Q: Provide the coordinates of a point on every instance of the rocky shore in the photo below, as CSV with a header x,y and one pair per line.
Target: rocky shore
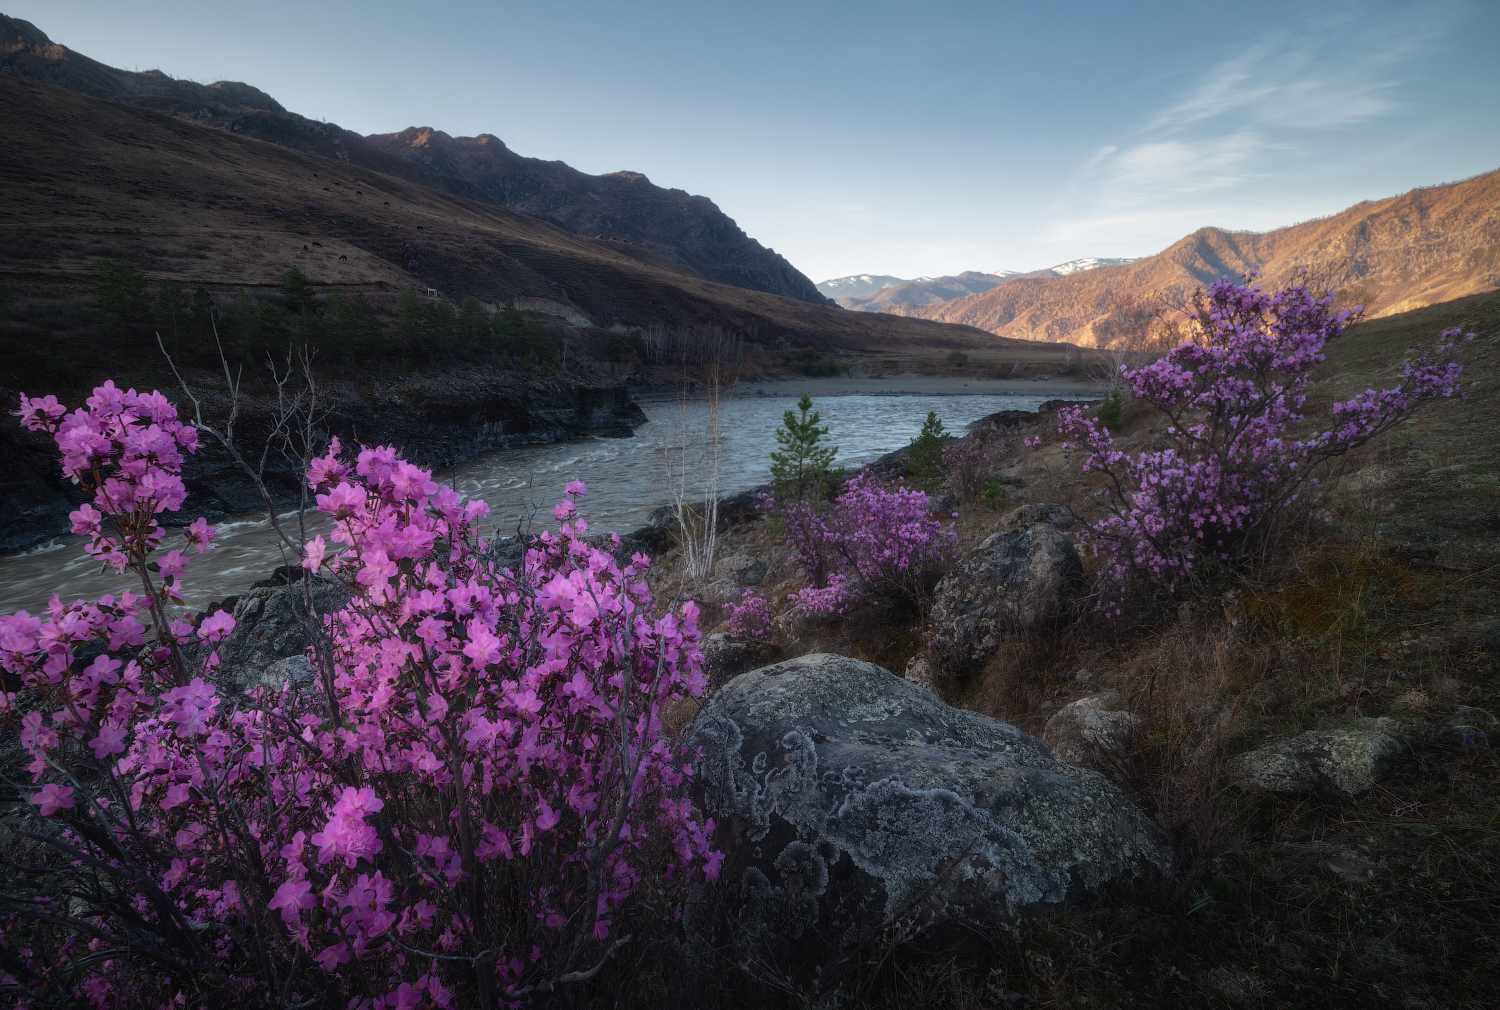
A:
x,y
437,421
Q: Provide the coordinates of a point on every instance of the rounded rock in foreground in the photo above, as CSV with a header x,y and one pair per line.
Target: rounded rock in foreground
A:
x,y
1346,762
848,798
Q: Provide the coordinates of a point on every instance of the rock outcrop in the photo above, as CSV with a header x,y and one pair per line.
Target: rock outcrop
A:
x,y
741,569
848,798
1345,762
271,633
727,655
1091,732
1016,581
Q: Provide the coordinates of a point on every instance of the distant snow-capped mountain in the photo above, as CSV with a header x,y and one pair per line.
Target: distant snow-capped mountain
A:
x,y
879,292
858,285
1087,263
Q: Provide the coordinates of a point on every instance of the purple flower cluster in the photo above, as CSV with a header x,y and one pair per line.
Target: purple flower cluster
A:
x,y
875,541
751,616
1230,395
482,766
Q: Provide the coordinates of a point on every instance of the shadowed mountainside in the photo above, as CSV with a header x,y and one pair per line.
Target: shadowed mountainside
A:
x,y
688,231
87,179
619,207
1426,246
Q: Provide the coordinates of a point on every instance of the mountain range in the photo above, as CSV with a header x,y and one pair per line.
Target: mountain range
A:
x,y
1428,245
87,179
879,292
622,207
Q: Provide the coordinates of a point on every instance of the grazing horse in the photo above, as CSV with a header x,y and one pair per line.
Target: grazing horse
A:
x,y
343,259
318,244
306,249
388,203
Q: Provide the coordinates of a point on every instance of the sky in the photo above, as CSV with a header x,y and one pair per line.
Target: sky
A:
x,y
889,138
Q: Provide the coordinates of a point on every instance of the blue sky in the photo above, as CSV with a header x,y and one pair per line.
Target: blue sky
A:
x,y
904,139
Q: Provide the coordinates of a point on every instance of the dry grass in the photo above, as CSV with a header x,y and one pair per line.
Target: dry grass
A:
x,y
1378,600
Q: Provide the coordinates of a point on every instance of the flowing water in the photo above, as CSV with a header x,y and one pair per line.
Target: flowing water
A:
x,y
626,478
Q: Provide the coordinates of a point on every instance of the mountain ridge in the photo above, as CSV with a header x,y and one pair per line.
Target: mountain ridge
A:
x,y
862,292
87,180
689,231
1427,245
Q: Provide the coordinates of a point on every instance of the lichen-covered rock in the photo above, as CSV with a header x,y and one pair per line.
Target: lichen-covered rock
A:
x,y
715,592
1342,761
726,656
1038,513
1091,732
271,624
847,798
919,671
1016,581
741,569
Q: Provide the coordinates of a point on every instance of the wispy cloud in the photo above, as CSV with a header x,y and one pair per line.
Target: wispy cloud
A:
x,y
1266,102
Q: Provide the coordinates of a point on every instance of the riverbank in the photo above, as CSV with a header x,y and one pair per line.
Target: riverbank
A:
x,y
891,385
437,421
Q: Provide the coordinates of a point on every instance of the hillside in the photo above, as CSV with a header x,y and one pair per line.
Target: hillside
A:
x,y
87,179
687,231
1393,255
620,206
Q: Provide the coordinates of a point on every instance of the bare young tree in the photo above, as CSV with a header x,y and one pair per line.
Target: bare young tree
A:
x,y
689,450
1139,329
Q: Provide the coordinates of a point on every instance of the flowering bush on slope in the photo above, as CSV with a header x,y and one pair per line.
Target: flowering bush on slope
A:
x,y
462,812
874,541
1230,395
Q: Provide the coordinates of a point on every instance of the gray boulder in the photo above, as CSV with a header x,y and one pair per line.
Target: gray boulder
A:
x,y
271,624
1018,580
848,798
919,672
726,656
1091,732
1345,762
741,569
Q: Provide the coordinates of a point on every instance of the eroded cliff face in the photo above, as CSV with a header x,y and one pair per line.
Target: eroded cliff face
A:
x,y
436,422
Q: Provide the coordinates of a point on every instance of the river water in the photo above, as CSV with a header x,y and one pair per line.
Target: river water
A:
x,y
627,478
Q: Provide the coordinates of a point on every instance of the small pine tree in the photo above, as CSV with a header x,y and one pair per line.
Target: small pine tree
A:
x,y
801,468
172,314
297,290
201,316
412,323
120,303
925,456
1109,412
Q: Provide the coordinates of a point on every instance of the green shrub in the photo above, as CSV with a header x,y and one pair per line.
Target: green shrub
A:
x,y
802,468
925,456
957,359
120,305
1109,412
297,290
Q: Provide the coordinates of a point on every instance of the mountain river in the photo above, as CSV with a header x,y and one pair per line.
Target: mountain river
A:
x,y
627,478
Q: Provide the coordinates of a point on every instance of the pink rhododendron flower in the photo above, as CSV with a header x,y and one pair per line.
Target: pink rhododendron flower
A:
x,y
52,797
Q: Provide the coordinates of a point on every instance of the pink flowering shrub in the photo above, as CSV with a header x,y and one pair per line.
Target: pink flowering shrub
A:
x,y
1232,396
474,803
969,463
875,542
751,616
